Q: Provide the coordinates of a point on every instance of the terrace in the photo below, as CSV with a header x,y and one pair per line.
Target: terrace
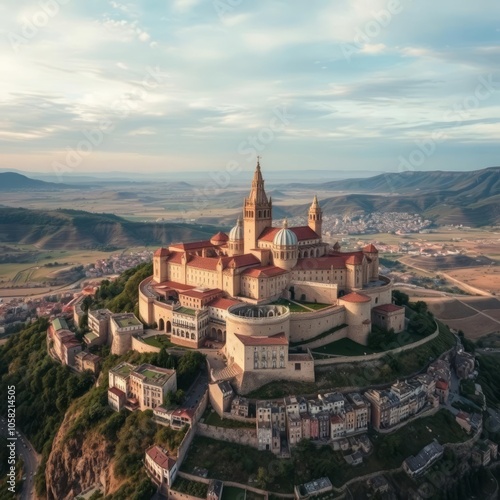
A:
x,y
123,369
127,321
186,310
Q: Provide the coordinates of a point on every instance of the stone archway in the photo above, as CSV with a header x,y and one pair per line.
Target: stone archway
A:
x,y
219,335
161,325
169,327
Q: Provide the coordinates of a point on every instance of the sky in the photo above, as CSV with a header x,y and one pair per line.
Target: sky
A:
x,y
189,85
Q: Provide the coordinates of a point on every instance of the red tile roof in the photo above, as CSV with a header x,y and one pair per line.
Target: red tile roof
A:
x,y
371,248
160,458
305,233
206,263
175,257
267,271
201,294
355,297
388,308
173,285
269,233
222,303
194,245
318,263
355,259
220,237
247,259
184,412
161,252
278,339
117,392
302,233
442,385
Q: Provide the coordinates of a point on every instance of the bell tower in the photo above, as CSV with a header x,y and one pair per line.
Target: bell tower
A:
x,y
315,219
257,211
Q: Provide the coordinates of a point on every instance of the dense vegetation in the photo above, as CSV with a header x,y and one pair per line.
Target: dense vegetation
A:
x,y
48,390
120,295
43,388
489,378
192,488
234,462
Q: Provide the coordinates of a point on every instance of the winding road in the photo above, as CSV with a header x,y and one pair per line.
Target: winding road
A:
x,y
30,458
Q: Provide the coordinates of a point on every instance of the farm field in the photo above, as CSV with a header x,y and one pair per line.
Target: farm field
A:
x,y
484,277
475,316
21,279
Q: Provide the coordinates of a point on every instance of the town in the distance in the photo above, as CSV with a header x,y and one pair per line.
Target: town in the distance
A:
x,y
270,359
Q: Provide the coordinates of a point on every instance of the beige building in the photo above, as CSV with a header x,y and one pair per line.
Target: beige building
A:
x,y
220,395
228,289
98,321
85,360
62,342
161,468
121,328
142,387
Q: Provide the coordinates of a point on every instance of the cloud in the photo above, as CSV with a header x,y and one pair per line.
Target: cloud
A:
x,y
220,77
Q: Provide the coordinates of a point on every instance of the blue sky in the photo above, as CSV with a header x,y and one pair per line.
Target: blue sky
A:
x,y
190,85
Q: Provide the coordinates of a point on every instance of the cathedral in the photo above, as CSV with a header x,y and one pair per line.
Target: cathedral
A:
x,y
237,290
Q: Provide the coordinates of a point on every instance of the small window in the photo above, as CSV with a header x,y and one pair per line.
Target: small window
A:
x,y
297,367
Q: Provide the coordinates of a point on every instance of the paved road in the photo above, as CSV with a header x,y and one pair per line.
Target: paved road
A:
x,y
197,390
30,458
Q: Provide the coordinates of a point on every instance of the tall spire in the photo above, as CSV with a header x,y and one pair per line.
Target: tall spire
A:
x,y
257,193
315,201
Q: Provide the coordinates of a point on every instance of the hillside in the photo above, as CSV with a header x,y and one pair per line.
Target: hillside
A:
x,y
469,198
485,181
74,229
11,181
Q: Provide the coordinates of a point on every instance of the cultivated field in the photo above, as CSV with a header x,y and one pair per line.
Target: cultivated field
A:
x,y
475,316
25,278
484,277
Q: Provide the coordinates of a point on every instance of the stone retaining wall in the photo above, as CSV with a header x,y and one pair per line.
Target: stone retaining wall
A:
x,y
141,346
336,360
245,436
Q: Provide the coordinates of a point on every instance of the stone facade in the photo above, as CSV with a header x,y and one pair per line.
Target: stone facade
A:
x,y
197,290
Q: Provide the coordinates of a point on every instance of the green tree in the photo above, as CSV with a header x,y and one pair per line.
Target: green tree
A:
x,y
400,298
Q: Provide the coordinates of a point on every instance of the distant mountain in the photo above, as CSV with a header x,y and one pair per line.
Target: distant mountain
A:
x,y
11,181
75,229
469,198
411,181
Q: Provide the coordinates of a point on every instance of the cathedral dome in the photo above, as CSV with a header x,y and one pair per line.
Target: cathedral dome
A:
x,y
237,232
285,237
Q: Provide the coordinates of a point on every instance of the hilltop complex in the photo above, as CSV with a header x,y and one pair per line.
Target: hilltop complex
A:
x,y
235,289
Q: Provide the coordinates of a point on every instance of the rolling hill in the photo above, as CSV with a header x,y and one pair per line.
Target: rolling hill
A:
x,y
469,198
11,181
485,181
74,229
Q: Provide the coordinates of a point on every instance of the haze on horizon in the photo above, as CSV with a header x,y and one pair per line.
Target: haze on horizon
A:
x,y
184,85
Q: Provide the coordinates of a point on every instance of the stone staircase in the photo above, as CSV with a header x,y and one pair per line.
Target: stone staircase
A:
x,y
225,373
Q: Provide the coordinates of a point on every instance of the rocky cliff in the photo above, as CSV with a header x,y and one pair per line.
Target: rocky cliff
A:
x,y
77,463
